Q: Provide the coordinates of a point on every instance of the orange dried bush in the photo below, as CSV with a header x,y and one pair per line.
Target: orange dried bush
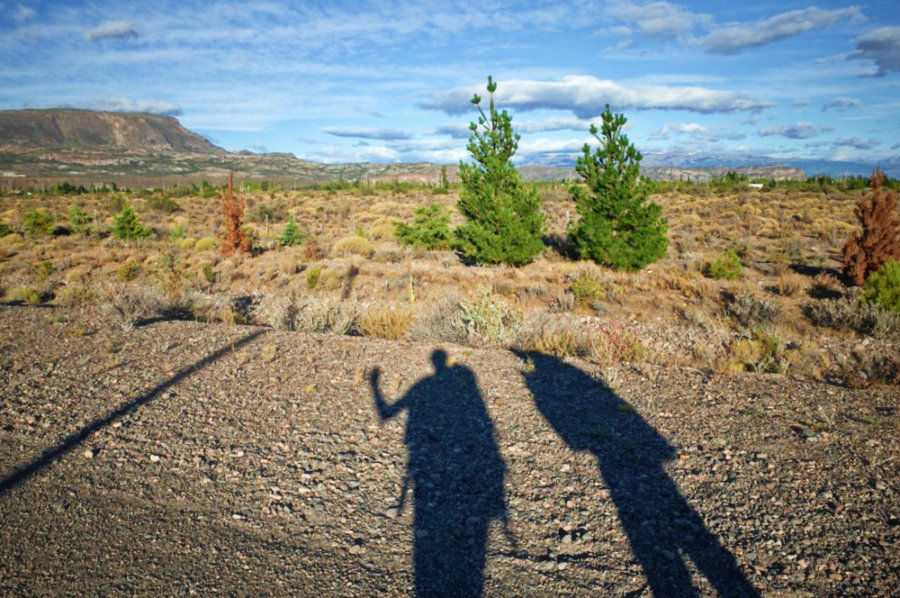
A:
x,y
236,239
867,250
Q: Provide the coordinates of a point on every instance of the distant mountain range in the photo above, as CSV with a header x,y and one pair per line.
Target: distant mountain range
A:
x,y
47,146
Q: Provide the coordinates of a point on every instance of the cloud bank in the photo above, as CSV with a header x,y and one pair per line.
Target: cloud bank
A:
x,y
734,38
111,30
586,97
368,133
881,46
797,130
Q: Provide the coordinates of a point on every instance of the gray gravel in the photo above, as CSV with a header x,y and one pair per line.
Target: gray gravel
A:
x,y
186,458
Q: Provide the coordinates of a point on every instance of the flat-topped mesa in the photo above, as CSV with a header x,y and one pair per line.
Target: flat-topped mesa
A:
x,y
67,130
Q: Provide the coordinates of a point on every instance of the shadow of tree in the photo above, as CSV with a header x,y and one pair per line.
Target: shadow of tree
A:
x,y
456,471
662,528
73,440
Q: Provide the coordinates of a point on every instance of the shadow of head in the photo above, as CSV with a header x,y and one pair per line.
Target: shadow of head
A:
x,y
585,413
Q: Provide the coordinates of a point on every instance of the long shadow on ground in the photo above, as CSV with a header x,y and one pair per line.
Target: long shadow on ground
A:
x,y
662,527
457,474
73,440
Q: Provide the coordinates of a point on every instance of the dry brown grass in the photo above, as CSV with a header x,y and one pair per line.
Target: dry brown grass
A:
x,y
788,241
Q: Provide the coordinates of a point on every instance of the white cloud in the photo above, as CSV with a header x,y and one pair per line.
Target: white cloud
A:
x,y
734,38
882,46
587,96
367,133
658,19
797,130
841,103
111,30
141,105
695,131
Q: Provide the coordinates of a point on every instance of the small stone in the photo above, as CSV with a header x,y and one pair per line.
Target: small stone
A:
x,y
391,512
89,453
566,468
154,458
567,539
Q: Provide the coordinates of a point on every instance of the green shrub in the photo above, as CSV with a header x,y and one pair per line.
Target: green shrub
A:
x,y
292,234
726,267
44,270
430,228
882,288
38,222
206,243
312,277
5,229
79,220
178,232
504,222
489,318
617,227
128,271
23,295
127,226
163,204
586,289
209,275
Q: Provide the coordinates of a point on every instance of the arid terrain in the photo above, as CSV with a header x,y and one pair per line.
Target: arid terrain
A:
x,y
182,457
175,421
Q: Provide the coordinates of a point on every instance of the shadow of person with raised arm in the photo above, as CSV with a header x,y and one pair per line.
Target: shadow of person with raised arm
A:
x,y
456,472
662,527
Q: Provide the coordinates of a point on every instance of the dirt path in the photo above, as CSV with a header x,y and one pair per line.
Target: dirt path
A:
x,y
180,457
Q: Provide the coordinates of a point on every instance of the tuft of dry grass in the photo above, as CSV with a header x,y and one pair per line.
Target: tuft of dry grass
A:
x,y
354,245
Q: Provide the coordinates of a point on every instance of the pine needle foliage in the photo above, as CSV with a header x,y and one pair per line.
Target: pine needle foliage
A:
x,y
430,228
504,223
292,234
617,227
879,240
127,226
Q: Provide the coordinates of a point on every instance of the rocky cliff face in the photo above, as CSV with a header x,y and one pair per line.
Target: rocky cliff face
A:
x,y
88,131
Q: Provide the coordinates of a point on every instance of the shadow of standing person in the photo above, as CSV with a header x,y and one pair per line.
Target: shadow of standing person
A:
x,y
457,474
662,527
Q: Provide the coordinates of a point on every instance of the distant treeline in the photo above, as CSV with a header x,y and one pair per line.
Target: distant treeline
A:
x,y
731,181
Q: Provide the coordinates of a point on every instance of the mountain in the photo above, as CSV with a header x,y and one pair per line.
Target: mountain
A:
x,y
88,131
39,147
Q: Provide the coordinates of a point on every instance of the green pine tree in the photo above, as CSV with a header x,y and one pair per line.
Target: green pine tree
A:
x,y
291,234
617,227
79,220
504,223
128,227
430,228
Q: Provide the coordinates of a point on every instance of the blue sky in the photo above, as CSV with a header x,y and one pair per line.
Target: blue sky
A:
x,y
390,81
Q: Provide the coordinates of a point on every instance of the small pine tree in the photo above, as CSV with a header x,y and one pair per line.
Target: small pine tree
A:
x,y
430,228
879,240
617,228
38,222
504,223
79,220
235,238
128,227
292,234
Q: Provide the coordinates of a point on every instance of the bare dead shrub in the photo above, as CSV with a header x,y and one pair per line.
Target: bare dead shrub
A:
x,y
867,250
235,238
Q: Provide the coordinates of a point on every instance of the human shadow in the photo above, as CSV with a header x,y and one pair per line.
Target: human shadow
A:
x,y
662,528
46,458
456,472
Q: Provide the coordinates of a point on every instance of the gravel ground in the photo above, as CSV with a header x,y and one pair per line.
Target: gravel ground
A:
x,y
185,458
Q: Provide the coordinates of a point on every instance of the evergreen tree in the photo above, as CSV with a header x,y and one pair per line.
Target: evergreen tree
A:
x,y
128,227
616,228
79,220
291,234
430,228
504,223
